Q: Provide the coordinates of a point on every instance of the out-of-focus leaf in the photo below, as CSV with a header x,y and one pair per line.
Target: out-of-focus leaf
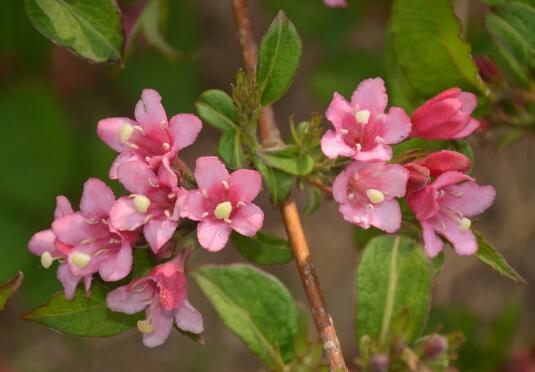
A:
x,y
464,147
507,59
431,29
438,263
82,316
489,255
143,262
151,20
314,200
393,286
91,29
230,149
361,236
8,289
278,183
278,59
255,306
217,109
263,248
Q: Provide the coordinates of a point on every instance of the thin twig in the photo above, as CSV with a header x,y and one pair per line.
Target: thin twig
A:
x,y
270,135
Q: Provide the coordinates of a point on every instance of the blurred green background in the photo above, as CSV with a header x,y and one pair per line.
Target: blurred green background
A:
x,y
50,102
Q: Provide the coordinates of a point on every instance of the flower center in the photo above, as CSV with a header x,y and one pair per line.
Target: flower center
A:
x,y
362,116
46,259
141,203
80,260
375,196
144,326
125,132
223,210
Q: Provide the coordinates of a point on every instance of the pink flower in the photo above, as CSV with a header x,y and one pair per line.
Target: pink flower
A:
x,y
443,208
163,296
84,242
153,203
362,130
151,137
448,115
335,3
222,203
366,192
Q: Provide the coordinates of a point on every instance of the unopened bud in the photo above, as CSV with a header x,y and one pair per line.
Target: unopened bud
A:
x,y
488,70
379,363
434,346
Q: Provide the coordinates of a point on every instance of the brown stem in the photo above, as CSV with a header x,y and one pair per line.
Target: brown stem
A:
x,y
270,135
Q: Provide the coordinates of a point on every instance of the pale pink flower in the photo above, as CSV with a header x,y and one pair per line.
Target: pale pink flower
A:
x,y
362,130
222,203
366,192
150,137
163,296
444,207
84,242
335,3
446,116
153,203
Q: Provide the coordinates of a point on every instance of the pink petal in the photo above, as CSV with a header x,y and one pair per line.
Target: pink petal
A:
x,y
124,216
87,283
340,113
387,216
247,220
450,178
136,176
117,266
42,242
432,243
469,198
470,128
184,129
194,205
391,179
370,95
74,228
463,241
166,176
120,160
246,183
355,214
68,280
424,203
426,117
63,207
379,152
188,318
340,184
97,199
128,301
395,127
335,3
469,101
150,114
162,322
210,171
171,282
213,235
108,131
158,232
333,145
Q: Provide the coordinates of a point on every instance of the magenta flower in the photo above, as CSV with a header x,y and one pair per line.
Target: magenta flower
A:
x,y
153,203
444,208
362,130
448,115
163,296
335,3
366,192
84,242
150,137
222,203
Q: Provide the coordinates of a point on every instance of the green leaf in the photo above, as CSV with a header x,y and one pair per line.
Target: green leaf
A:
x,y
217,109
362,236
280,51
91,29
8,289
151,19
301,342
278,183
255,306
393,286
263,248
487,254
314,200
144,262
429,47
438,263
290,162
82,316
230,149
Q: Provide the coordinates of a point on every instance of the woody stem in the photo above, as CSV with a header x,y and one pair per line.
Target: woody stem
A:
x,y
270,135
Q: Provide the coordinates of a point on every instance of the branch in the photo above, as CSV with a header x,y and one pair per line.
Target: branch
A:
x,y
270,135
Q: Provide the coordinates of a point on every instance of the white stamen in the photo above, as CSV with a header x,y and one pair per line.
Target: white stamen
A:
x,y
370,206
148,218
204,193
87,241
356,177
137,127
225,185
223,210
465,224
144,326
92,221
163,124
227,220
350,196
80,260
166,146
375,195
125,132
141,203
456,193
379,139
46,259
171,195
240,204
379,118
344,131
362,116
204,215
358,146
133,146
100,251
167,213
153,182
147,159
440,193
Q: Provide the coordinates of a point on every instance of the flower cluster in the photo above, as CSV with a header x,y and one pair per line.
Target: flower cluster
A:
x,y
437,188
100,238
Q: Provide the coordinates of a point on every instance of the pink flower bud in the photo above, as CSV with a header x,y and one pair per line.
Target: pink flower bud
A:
x,y
448,115
444,161
434,346
488,70
419,176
